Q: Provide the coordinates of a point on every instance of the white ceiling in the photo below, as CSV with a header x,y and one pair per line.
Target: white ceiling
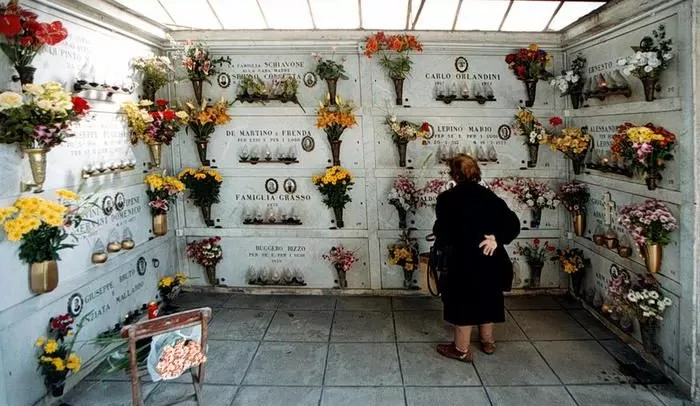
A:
x,y
442,15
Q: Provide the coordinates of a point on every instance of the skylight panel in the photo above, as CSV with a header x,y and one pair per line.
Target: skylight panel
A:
x,y
384,14
336,14
484,15
529,15
239,14
287,14
571,11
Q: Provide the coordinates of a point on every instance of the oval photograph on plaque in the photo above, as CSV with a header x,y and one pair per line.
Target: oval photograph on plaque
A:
x,y
75,304
308,144
290,185
431,132
224,80
271,186
107,205
504,132
310,79
461,64
119,201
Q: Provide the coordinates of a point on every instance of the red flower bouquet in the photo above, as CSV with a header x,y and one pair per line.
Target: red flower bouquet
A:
x,y
530,65
153,122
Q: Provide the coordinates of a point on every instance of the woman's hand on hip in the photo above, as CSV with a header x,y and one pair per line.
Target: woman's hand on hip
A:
x,y
489,245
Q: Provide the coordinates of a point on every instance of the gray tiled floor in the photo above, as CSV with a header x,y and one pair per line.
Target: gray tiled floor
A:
x,y
366,351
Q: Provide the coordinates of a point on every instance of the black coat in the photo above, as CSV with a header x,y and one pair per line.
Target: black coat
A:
x,y
472,290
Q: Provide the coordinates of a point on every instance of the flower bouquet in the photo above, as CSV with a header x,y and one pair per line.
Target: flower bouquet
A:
x,y
334,119
530,65
574,263
334,185
646,148
343,260
535,195
404,196
649,304
330,71
202,121
427,196
200,66
38,122
162,192
153,72
570,82
572,142
395,56
650,224
575,196
652,56
175,354
207,253
204,186
169,287
42,226
533,132
24,37
57,359
154,124
535,254
402,132
405,254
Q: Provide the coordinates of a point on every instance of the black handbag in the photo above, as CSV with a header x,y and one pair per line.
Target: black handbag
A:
x,y
437,264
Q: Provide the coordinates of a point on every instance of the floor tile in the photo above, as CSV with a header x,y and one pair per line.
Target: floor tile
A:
x,y
669,395
227,362
593,326
300,325
514,363
581,362
307,302
421,325
91,393
362,364
531,303
416,303
363,396
240,324
287,364
568,302
193,300
277,396
530,396
613,395
241,301
446,396
358,326
421,365
508,331
549,325
632,364
212,395
364,303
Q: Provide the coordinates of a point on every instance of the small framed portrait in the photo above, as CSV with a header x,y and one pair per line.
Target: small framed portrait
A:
x,y
308,144
271,186
310,79
289,185
107,205
504,132
75,304
461,64
224,80
141,266
431,132
119,201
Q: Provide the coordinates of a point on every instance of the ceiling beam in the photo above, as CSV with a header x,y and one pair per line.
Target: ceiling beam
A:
x,y
167,12
215,14
262,13
408,14
311,13
561,3
420,9
505,15
359,11
459,8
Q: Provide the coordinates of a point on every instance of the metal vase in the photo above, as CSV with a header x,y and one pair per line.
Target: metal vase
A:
x,y
577,279
26,74
338,212
335,151
649,84
43,276
37,164
653,255
332,90
402,217
206,214
577,163
536,217
579,224
652,177
398,89
211,275
342,277
402,153
533,151
202,152
648,332
531,88
197,86
535,275
155,149
160,224
407,279
576,99
149,90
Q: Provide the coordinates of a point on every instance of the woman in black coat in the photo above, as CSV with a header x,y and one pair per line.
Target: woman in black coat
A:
x,y
476,225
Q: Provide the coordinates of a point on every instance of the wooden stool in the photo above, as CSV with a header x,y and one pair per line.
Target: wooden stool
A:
x,y
160,325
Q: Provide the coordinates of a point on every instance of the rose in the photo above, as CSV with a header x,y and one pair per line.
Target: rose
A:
x,y
80,105
9,100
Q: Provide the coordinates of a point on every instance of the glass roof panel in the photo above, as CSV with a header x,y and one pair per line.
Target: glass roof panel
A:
x,y
188,14
384,14
239,14
529,15
572,11
484,15
287,14
435,15
336,14
148,8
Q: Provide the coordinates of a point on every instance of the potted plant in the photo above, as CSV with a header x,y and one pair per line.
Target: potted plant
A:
x,y
153,73
42,226
330,71
56,358
649,304
652,56
404,196
535,254
202,121
162,192
154,124
533,132
646,148
530,65
334,185
39,121
573,142
24,36
574,264
207,253
200,66
342,260
169,287
204,186
575,196
571,82
534,195
394,51
404,253
650,224
402,132
334,120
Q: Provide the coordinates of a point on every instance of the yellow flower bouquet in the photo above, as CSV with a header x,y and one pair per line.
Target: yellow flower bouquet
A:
x,y
334,120
162,192
572,142
204,185
170,286
202,121
334,185
574,264
56,358
405,254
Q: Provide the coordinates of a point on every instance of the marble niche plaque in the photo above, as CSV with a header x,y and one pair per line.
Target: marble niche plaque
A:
x,y
280,136
302,254
488,138
245,196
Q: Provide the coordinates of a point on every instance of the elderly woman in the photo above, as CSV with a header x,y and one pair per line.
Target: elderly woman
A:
x,y
476,225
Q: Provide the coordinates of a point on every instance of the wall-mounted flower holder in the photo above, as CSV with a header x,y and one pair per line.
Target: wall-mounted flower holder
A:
x,y
256,160
480,93
275,277
99,253
91,171
37,164
478,99
477,152
272,218
281,156
82,85
605,85
264,99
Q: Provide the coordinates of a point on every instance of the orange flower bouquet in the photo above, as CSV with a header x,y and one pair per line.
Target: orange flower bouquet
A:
x,y
395,56
203,120
334,120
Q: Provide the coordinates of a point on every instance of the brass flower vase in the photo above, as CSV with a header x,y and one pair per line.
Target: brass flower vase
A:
x,y
211,275
155,149
653,255
338,212
43,276
531,89
398,89
160,224
197,86
624,251
332,90
579,224
649,84
37,164
206,214
533,151
26,74
342,277
402,153
335,151
202,152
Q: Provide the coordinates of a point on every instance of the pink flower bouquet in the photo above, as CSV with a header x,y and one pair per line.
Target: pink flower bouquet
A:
x,y
650,222
342,258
